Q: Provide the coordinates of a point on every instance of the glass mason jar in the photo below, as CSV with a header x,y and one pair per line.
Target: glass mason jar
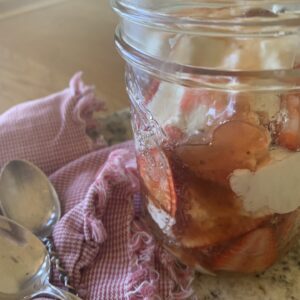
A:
x,y
214,89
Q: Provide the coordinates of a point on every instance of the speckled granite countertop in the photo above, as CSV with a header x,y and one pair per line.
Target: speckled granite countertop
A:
x,y
281,282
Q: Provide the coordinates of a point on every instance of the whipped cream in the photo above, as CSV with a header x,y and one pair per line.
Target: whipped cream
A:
x,y
165,108
264,54
165,105
275,186
248,53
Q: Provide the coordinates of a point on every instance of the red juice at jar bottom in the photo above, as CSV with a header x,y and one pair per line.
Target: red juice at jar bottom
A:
x,y
202,221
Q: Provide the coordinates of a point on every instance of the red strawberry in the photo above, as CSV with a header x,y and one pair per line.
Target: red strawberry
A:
x,y
211,214
157,177
151,90
236,145
253,252
289,140
174,134
288,228
289,133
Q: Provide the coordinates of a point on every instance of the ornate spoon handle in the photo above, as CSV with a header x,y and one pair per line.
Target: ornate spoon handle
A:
x,y
63,275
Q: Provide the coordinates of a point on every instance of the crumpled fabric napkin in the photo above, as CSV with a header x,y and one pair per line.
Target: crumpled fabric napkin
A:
x,y
99,239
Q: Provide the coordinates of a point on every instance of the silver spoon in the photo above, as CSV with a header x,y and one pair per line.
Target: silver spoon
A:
x,y
25,265
27,197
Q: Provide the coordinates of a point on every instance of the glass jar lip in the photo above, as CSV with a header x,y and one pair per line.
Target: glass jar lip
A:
x,y
171,72
224,15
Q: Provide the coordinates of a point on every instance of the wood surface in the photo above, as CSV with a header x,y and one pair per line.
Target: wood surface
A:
x,y
44,42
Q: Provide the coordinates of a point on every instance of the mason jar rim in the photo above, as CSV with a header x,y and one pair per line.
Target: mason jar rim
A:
x,y
158,18
171,72
229,16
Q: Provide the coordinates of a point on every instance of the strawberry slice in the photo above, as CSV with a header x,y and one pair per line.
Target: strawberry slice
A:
x,y
287,229
211,214
202,111
157,177
289,133
174,134
254,252
289,140
235,145
151,90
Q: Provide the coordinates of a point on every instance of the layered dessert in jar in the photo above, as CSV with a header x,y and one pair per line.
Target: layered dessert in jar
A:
x,y
220,169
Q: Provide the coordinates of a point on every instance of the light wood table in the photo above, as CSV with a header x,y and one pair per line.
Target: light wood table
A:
x,y
44,42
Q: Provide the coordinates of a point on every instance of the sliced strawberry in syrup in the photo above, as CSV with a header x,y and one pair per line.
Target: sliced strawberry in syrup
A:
x,y
235,145
289,133
211,214
151,90
287,229
156,174
254,252
174,134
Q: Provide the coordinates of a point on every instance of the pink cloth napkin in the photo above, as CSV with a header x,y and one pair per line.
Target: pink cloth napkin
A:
x,y
100,240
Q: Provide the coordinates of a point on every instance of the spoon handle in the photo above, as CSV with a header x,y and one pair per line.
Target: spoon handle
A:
x,y
63,275
53,291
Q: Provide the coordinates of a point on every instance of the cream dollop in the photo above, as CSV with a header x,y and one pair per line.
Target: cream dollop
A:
x,y
274,187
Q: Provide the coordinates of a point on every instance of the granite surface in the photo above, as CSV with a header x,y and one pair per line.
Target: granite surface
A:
x,y
114,129
281,282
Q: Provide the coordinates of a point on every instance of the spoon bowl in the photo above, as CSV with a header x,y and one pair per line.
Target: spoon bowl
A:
x,y
25,265
38,209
